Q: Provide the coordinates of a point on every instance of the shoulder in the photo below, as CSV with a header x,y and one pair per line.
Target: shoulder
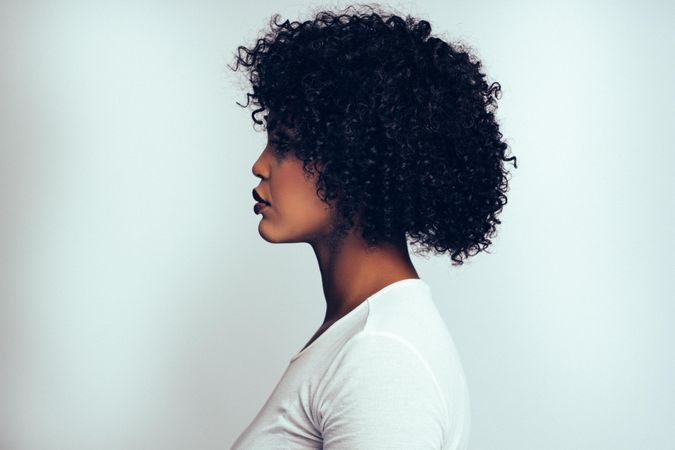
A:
x,y
370,350
380,391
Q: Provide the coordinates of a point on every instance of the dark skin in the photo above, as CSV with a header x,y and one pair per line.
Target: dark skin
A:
x,y
353,273
350,271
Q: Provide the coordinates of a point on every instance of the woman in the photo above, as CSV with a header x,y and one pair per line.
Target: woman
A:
x,y
377,134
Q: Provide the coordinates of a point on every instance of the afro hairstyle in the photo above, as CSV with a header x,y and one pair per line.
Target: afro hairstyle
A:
x,y
398,124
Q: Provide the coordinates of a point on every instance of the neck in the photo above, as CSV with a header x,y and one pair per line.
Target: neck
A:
x,y
352,272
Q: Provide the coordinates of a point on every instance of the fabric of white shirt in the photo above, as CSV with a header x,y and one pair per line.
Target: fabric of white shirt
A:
x,y
386,375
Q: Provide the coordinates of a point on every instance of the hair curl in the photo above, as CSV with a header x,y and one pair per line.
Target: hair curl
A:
x,y
399,125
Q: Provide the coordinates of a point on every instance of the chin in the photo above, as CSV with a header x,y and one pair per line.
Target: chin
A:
x,y
267,236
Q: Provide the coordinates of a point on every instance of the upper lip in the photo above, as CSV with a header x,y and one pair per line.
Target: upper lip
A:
x,y
258,197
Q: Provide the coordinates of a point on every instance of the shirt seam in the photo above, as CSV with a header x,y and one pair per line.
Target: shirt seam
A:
x,y
364,332
406,343
411,347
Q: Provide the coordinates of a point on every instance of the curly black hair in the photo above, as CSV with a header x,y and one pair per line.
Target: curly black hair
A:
x,y
400,126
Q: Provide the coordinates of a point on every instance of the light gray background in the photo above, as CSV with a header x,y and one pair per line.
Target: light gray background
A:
x,y
140,309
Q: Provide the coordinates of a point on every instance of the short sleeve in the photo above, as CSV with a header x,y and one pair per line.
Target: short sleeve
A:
x,y
381,394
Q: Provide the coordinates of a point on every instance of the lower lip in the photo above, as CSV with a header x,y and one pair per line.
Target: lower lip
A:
x,y
259,207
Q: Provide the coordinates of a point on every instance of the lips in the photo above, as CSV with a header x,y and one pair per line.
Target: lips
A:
x,y
259,198
259,207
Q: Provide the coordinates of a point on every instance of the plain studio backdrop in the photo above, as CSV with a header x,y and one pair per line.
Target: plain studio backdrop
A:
x,y
140,308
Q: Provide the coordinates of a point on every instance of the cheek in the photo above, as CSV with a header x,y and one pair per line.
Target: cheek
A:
x,y
298,199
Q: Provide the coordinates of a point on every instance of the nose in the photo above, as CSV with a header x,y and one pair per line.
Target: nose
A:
x,y
256,168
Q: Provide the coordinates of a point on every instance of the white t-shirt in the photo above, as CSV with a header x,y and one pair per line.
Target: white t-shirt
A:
x,y
386,375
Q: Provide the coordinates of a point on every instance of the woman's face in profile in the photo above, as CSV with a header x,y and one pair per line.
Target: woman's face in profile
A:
x,y
295,213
